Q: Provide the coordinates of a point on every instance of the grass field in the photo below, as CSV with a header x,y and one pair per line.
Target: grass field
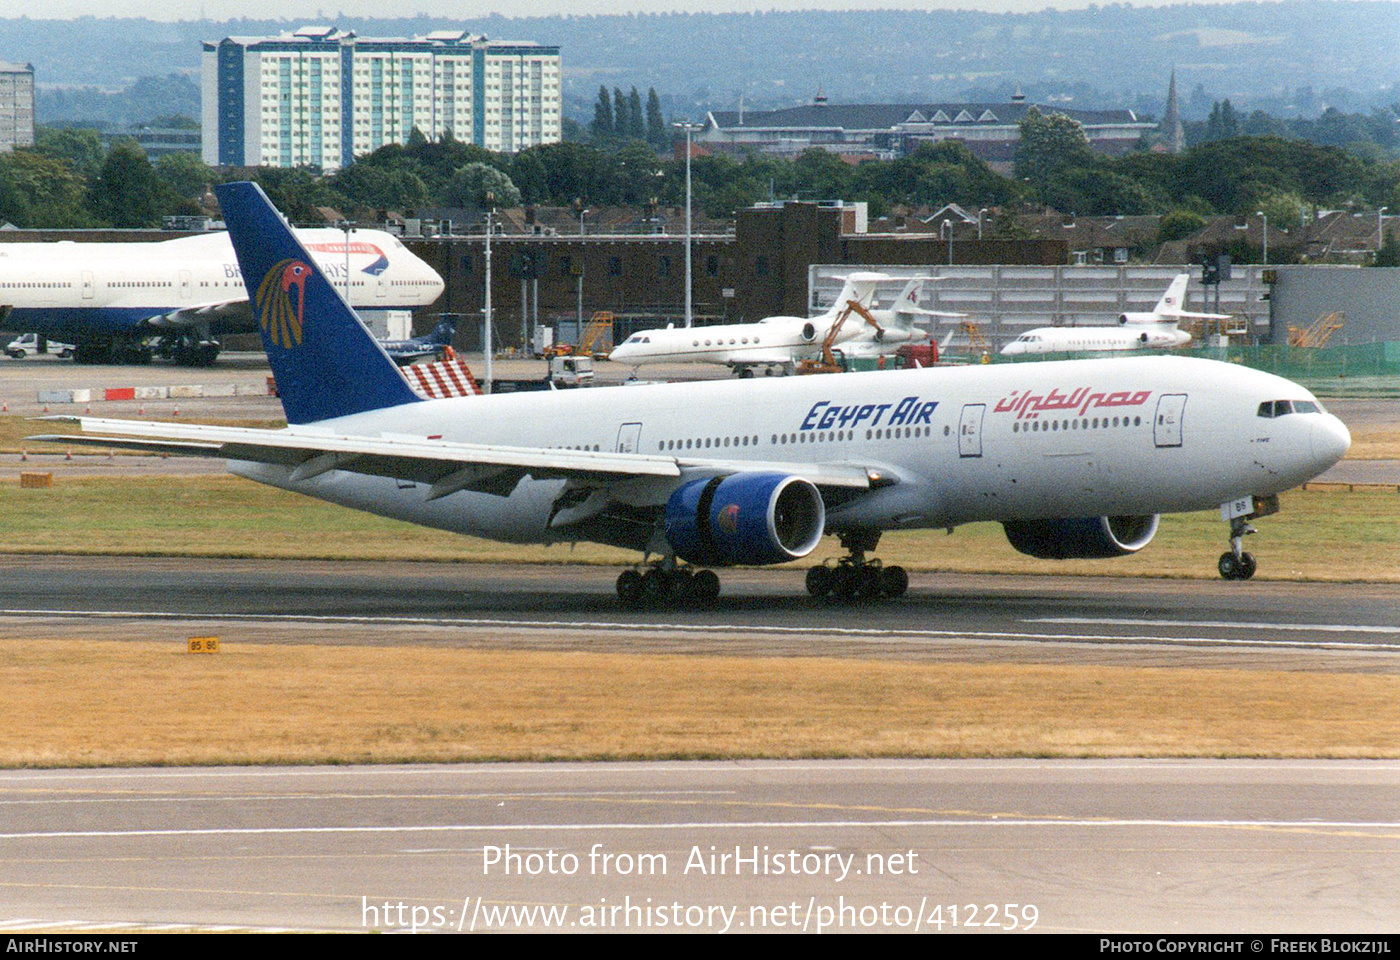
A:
x,y
1319,535
77,703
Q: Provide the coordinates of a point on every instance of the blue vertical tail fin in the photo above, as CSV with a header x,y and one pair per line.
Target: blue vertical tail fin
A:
x,y
326,362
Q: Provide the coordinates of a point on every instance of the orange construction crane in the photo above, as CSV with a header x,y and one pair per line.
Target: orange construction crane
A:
x,y
601,323
1318,332
828,363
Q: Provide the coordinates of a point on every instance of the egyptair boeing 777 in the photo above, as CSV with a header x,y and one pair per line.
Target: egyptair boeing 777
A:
x,y
1076,459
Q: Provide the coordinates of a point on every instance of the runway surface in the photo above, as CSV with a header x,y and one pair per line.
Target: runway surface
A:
x,y
1111,846
1106,846
762,612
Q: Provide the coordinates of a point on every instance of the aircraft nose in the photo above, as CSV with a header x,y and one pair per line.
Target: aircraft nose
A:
x,y
1330,439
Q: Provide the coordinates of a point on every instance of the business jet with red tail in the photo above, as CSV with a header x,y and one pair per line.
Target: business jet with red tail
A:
x,y
1158,329
1076,459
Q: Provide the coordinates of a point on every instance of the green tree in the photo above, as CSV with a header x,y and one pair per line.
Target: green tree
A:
x,y
1049,145
471,183
530,176
657,134
184,174
297,192
1389,253
79,147
602,115
636,123
127,192
621,116
1178,225
39,191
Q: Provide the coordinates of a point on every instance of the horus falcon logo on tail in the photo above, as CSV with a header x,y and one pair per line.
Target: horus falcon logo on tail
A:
x,y
282,320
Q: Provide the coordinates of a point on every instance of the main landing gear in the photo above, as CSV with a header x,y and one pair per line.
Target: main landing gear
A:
x,y
853,577
1235,563
663,584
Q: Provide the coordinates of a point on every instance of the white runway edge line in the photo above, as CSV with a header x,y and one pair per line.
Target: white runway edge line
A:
x,y
725,825
789,768
853,634
1217,624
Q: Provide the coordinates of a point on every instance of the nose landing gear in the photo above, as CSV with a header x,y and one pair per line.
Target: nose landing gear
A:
x,y
853,577
1235,563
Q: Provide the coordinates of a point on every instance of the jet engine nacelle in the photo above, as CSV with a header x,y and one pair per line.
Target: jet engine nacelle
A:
x,y
1085,538
809,332
745,518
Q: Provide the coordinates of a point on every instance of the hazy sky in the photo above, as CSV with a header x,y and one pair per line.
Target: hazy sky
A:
x,y
307,10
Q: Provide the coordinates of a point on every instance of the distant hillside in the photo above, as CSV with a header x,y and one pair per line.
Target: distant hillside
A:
x,y
1288,58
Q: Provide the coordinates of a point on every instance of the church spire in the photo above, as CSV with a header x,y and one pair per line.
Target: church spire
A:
x,y
1173,134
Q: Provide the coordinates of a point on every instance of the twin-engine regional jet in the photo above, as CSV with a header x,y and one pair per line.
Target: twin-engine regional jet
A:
x,y
1075,458
1157,330
779,343
122,302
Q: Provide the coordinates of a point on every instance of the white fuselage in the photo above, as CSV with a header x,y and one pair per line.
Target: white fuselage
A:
x,y
1156,336
67,289
1079,438
775,341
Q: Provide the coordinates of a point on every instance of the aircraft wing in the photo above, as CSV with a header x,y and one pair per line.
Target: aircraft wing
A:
x,y
204,313
445,466
933,313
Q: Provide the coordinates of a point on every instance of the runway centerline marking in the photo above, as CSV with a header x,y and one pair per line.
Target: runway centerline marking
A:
x,y
851,634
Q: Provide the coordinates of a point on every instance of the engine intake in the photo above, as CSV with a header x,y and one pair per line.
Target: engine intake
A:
x,y
1085,538
746,518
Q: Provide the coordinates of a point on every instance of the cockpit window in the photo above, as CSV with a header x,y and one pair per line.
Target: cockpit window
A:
x,y
1281,408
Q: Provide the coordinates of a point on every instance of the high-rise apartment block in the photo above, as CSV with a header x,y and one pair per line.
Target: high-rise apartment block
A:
x,y
320,97
16,105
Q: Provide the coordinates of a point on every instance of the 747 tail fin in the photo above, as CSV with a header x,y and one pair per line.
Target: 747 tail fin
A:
x,y
326,362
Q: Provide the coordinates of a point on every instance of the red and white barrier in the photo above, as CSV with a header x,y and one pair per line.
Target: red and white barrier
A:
x,y
443,379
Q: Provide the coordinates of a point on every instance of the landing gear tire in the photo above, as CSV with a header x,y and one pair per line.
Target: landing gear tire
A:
x,y
894,582
853,577
659,587
629,587
704,586
1237,568
746,373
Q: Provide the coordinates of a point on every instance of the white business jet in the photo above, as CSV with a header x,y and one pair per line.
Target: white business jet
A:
x,y
1077,459
775,343
1157,330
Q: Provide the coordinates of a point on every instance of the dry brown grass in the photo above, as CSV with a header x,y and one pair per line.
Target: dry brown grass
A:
x,y
77,703
1319,535
1375,443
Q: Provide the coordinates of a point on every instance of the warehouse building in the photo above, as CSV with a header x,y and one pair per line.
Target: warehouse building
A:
x,y
888,131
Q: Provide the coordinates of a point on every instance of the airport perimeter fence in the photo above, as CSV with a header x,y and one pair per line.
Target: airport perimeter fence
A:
x,y
1355,370
1361,369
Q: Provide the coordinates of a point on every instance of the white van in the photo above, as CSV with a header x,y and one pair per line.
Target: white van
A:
x,y
28,344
